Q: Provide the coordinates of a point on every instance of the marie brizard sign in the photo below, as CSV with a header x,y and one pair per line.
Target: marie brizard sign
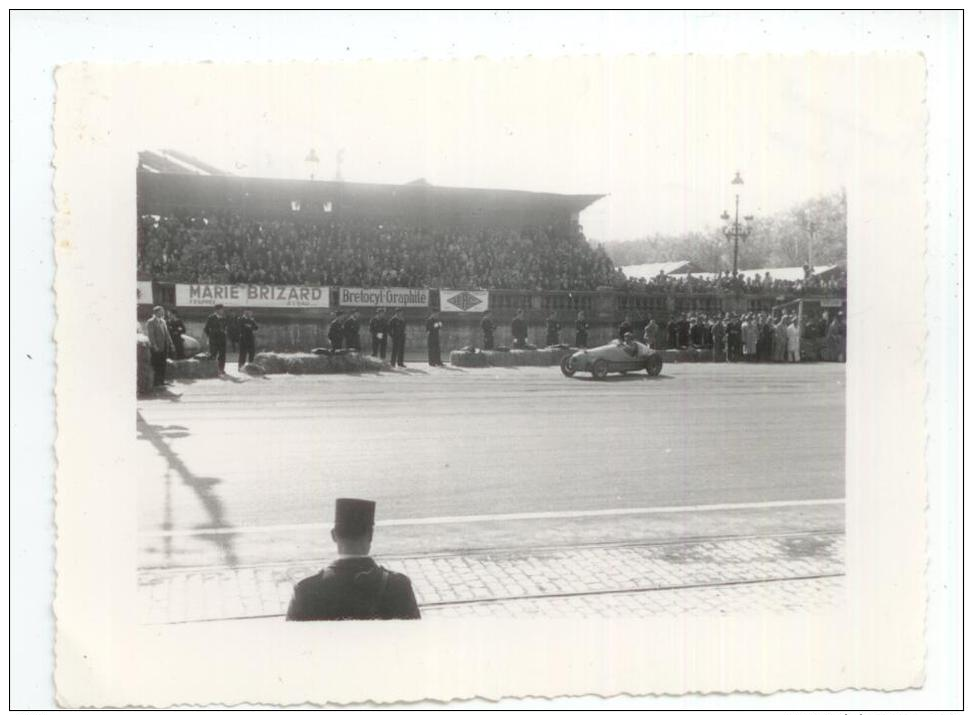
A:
x,y
253,296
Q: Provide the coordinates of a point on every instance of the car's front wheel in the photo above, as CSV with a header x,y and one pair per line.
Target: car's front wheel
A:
x,y
653,365
567,369
600,369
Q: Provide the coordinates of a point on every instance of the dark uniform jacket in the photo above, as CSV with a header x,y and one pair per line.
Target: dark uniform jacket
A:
x,y
624,327
248,326
354,588
397,327
432,328
553,330
487,326
518,329
351,332
336,332
215,327
378,325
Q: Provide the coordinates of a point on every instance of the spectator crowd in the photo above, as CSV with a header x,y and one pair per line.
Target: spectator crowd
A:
x,y
753,337
229,248
726,282
225,247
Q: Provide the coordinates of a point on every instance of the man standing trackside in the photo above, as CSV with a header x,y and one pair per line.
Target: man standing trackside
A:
x,y
353,587
487,326
518,330
176,330
352,340
160,343
336,332
378,328
553,330
581,331
215,330
248,341
397,332
433,326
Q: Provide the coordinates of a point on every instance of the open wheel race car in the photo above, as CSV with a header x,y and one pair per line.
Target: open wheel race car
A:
x,y
616,356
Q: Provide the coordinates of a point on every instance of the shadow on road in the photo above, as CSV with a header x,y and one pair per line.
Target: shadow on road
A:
x,y
203,486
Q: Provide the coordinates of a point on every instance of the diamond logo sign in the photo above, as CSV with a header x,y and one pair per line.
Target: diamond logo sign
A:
x,y
464,301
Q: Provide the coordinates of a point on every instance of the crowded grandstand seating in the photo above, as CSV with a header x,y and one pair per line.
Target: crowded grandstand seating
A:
x,y
224,247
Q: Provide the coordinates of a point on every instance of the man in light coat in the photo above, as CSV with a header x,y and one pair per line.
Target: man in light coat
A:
x,y
793,341
160,344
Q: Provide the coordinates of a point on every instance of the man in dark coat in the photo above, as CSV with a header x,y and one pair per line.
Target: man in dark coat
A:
x,y
487,326
160,344
378,328
518,330
581,331
553,330
248,341
683,332
336,331
215,330
734,338
397,333
433,326
718,332
176,330
351,327
353,587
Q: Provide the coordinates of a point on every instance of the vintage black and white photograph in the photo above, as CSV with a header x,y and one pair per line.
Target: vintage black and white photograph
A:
x,y
511,376
534,364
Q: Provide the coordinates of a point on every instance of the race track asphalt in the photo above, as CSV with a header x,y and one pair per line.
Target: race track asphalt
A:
x,y
247,468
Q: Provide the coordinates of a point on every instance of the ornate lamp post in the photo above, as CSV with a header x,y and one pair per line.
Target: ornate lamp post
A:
x,y
735,229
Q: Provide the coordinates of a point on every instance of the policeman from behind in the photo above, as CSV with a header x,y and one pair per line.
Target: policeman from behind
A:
x,y
353,587
518,330
336,331
433,326
215,330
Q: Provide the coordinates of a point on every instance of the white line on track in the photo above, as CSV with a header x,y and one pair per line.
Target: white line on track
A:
x,y
433,520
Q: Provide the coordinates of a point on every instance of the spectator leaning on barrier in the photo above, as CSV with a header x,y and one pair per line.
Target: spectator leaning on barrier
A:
x,y
397,333
248,341
215,330
160,344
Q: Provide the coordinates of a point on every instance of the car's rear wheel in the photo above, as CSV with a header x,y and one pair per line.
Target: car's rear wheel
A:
x,y
653,365
600,369
567,369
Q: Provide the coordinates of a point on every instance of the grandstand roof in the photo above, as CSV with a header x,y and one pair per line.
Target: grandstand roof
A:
x,y
648,271
170,161
160,191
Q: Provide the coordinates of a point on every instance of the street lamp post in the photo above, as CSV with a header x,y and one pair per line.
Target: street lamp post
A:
x,y
811,226
735,229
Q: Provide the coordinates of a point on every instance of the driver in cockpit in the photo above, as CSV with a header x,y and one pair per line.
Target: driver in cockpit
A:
x,y
629,345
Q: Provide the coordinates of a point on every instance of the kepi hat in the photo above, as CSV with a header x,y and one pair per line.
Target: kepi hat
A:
x,y
353,517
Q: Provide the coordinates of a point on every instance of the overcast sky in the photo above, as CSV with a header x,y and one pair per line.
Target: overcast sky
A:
x,y
662,137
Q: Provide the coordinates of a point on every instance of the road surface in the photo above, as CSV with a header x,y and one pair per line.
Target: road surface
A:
x,y
245,470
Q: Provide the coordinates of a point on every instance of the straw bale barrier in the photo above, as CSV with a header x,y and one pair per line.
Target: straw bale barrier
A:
x,y
314,364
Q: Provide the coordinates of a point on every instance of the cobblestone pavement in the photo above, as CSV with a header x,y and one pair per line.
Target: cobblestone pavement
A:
x,y
781,572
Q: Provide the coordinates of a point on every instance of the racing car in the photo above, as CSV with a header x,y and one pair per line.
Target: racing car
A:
x,y
617,356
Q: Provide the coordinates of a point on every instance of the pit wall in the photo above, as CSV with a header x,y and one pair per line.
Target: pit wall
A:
x,y
293,330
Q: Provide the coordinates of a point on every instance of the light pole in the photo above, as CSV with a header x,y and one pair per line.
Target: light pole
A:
x,y
735,229
811,226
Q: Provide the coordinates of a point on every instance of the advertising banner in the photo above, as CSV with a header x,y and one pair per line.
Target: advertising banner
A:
x,y
383,297
464,301
143,290
253,296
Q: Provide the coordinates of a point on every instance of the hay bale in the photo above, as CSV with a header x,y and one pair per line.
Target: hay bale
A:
x,y
190,346
499,358
143,366
317,364
528,358
192,369
464,358
554,354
